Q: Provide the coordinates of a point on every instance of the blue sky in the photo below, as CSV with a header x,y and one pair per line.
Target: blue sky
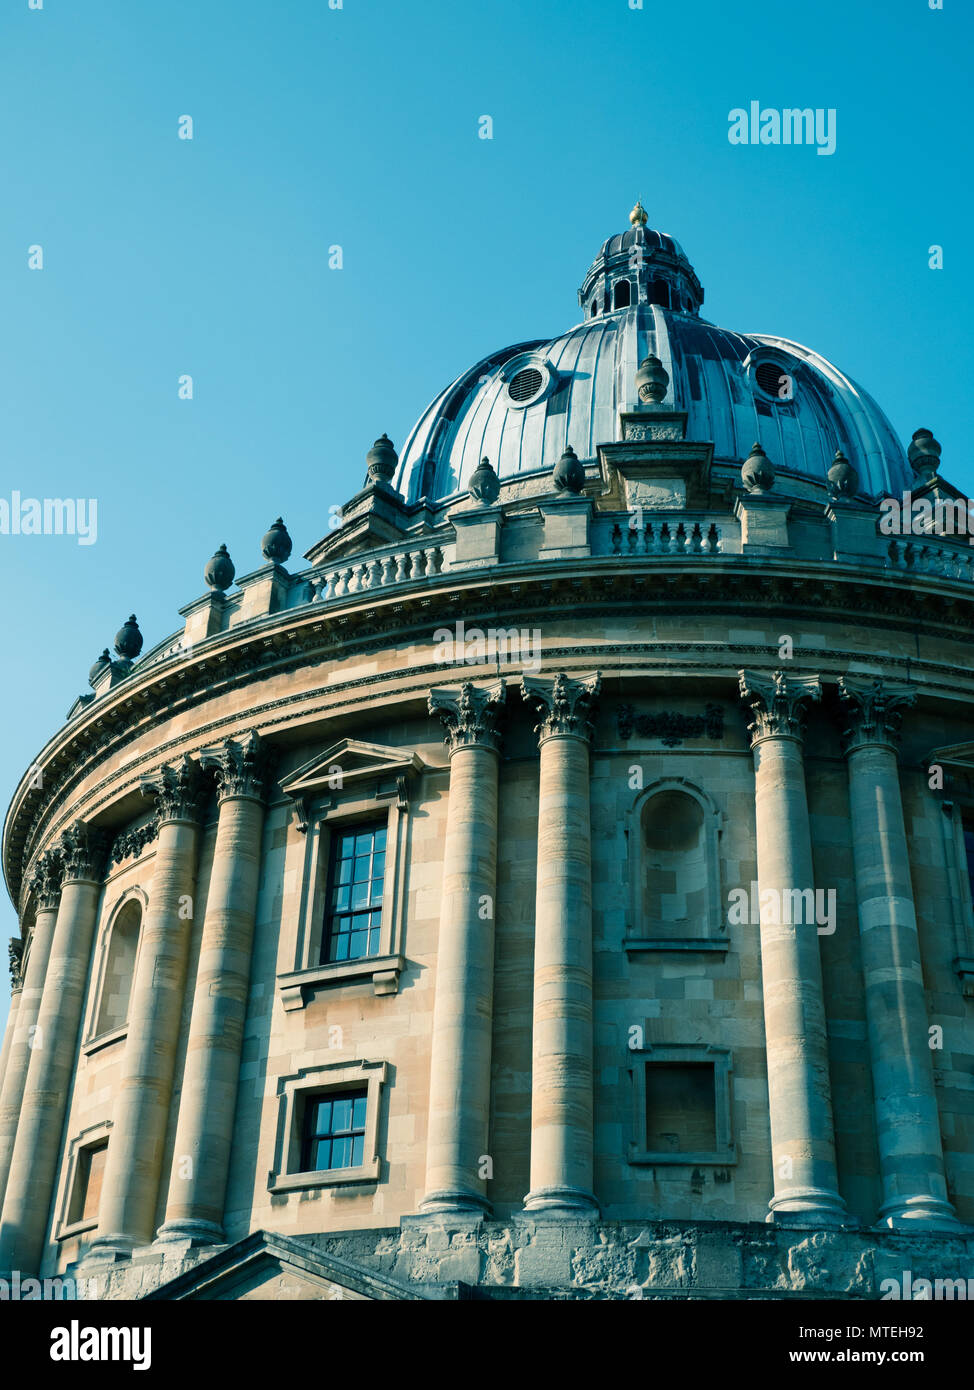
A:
x,y
359,127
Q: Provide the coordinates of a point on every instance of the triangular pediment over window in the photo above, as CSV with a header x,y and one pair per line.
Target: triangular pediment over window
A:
x,y
348,762
264,1266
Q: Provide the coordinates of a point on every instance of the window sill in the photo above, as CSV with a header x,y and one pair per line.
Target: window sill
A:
x,y
383,971
717,945
327,1177
701,1160
105,1040
77,1228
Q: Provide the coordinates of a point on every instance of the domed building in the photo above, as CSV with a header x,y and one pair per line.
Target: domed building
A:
x,y
560,886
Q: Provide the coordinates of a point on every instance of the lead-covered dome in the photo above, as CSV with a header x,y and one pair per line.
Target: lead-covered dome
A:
x,y
523,406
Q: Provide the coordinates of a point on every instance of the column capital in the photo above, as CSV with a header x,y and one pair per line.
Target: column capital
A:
x,y
240,767
177,790
83,851
45,880
15,951
470,714
873,711
778,703
564,705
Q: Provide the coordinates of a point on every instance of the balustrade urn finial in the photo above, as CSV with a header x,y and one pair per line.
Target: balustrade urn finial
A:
x,y
485,485
219,572
276,544
568,474
652,380
843,478
99,667
758,473
128,639
924,455
381,461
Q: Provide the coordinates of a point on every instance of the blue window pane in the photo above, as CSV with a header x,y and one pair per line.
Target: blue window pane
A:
x,y
322,1119
341,947
363,869
341,1153
340,899
374,942
360,894
378,865
341,1116
346,846
380,839
359,1108
363,842
359,940
358,1149
345,871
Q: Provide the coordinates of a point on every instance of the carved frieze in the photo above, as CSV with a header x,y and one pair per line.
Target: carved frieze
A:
x,y
131,843
671,727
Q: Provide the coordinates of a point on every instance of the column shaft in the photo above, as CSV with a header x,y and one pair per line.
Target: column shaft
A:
x,y
907,1119
204,1131
37,1147
21,1031
562,1139
799,1091
459,1103
140,1114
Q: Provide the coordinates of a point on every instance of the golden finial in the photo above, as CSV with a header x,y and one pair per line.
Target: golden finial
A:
x,y
638,216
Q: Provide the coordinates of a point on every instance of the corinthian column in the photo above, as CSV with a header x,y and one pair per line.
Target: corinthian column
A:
x,y
562,1144
25,1003
53,1047
911,1157
799,1095
463,1005
204,1131
133,1168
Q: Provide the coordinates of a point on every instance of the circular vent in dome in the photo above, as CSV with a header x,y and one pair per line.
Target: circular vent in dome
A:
x,y
773,380
525,385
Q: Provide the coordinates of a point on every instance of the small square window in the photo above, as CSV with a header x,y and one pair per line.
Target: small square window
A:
x,y
334,1131
681,1113
86,1195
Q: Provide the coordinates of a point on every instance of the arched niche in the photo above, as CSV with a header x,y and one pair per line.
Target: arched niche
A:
x,y
119,952
673,835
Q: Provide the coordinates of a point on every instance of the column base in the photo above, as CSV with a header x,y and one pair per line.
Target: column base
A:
x,y
454,1202
810,1206
921,1213
110,1249
573,1203
189,1233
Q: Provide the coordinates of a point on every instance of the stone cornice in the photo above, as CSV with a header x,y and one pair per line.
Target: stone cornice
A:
x,y
778,703
564,706
284,641
872,711
470,714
